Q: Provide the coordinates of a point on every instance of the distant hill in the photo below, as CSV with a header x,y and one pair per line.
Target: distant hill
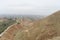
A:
x,y
31,17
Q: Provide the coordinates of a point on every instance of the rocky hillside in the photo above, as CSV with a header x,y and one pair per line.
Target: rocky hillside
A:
x,y
44,29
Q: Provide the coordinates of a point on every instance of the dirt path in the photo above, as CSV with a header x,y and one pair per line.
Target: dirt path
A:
x,y
7,29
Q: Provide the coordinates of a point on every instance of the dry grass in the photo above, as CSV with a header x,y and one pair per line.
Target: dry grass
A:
x,y
42,30
45,29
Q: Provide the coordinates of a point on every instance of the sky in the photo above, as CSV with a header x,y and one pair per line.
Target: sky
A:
x,y
29,7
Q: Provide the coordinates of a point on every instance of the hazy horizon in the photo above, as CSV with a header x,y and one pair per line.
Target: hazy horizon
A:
x,y
29,7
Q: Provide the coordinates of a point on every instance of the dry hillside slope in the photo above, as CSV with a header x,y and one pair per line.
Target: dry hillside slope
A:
x,y
44,29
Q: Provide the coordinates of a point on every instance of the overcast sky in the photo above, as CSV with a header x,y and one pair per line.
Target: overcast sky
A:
x,y
29,7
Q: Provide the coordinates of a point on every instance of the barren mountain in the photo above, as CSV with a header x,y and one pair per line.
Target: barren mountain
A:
x,y
44,29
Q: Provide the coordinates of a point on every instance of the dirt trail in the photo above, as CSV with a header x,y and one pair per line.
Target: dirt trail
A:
x,y
10,32
7,29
